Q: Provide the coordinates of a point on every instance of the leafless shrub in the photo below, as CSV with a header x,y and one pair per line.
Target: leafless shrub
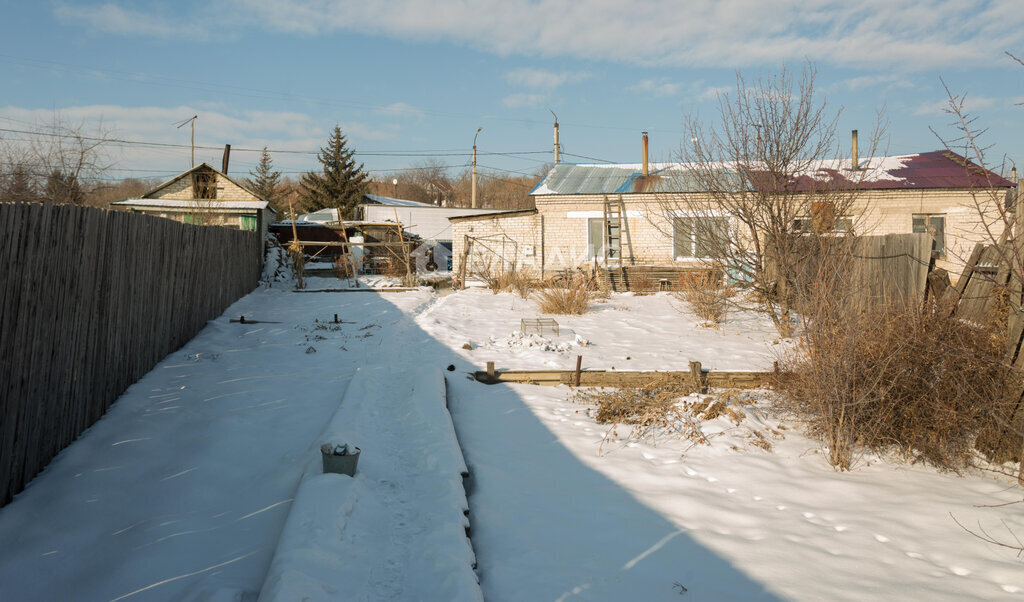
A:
x,y
572,296
706,297
919,381
523,283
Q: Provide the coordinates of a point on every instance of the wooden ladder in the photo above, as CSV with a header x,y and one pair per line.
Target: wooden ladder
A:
x,y
616,225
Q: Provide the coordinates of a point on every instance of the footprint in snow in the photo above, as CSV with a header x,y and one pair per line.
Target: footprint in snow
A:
x,y
881,538
960,571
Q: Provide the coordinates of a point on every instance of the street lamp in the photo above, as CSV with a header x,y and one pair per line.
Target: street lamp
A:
x,y
473,194
394,183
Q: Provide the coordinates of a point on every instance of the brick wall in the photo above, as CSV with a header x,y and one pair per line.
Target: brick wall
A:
x,y
181,190
493,240
558,232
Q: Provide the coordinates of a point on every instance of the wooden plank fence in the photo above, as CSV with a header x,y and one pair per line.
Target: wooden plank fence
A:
x,y
90,301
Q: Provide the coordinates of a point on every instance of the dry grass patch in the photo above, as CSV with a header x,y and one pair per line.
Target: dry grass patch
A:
x,y
669,408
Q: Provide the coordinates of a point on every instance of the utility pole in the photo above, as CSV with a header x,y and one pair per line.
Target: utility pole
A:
x,y
181,124
557,146
473,194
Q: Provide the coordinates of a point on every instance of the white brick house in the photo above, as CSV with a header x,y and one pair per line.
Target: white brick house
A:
x,y
204,196
937,192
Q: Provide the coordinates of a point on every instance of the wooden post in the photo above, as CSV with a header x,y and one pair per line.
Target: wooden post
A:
x,y
462,264
579,366
697,374
490,369
401,240
348,252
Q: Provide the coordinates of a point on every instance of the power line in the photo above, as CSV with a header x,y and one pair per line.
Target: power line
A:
x,y
391,153
143,78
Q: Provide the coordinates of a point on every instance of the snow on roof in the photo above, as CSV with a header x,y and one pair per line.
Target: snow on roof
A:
x,y
192,204
386,200
935,169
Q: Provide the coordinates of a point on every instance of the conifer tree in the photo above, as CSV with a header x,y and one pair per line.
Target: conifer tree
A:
x,y
264,181
341,183
18,187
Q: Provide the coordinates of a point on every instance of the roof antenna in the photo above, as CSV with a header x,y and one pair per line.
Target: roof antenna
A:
x,y
558,147
191,120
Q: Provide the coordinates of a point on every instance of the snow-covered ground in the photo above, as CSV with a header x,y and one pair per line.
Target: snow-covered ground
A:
x,y
202,482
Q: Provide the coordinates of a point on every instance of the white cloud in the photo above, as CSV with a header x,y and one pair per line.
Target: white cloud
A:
x,y
518,101
111,18
658,87
538,78
970,105
399,109
713,92
215,126
707,33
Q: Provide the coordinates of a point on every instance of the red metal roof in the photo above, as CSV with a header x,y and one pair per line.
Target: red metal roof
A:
x,y
935,169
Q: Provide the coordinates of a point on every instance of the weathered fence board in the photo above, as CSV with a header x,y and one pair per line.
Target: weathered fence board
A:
x,y
90,301
623,378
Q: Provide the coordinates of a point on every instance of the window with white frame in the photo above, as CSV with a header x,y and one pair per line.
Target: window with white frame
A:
x,y
698,237
597,237
933,225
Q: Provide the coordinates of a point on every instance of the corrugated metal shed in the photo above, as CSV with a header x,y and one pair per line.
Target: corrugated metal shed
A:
x,y
936,169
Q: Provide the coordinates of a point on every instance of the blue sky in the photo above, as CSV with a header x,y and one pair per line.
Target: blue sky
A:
x,y
410,80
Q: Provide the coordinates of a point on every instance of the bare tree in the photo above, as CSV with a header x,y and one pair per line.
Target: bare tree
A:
x,y
62,161
767,180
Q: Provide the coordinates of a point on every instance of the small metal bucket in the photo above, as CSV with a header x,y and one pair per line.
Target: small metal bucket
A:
x,y
344,463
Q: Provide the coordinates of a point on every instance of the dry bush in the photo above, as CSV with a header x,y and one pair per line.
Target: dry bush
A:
x,y
706,297
641,283
919,381
646,409
343,267
523,283
668,408
651,405
570,297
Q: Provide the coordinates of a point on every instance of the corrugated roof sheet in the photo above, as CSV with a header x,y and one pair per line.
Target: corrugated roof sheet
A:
x,y
936,169
393,202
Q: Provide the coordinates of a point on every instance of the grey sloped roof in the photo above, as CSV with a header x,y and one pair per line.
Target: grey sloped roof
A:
x,y
935,169
572,178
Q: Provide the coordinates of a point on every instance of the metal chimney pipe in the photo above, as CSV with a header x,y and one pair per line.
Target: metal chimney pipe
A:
x,y
645,170
224,161
558,158
855,163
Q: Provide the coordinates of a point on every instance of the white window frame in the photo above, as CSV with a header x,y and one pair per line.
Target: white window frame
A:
x,y
692,243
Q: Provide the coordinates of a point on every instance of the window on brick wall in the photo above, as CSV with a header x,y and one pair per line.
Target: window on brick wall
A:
x,y
204,185
595,238
935,226
696,237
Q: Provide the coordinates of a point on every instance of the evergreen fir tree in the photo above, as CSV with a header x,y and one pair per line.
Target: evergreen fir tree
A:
x,y
341,184
265,180
18,187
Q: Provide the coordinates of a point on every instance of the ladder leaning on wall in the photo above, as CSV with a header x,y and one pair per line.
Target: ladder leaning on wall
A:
x,y
616,229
